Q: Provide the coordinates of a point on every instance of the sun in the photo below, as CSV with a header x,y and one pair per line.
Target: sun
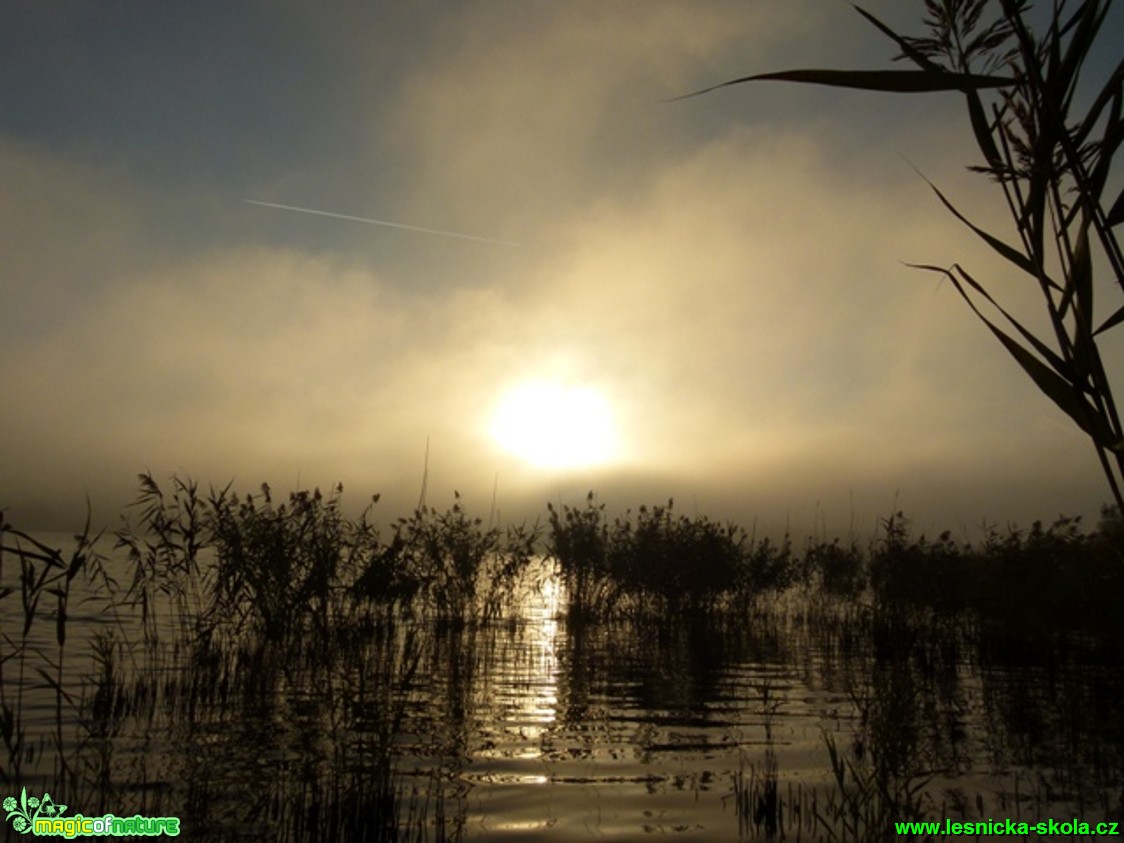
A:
x,y
555,425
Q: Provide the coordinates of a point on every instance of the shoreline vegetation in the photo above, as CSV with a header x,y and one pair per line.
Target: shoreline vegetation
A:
x,y
221,602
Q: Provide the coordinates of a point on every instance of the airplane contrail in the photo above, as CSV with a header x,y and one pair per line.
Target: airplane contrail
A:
x,y
382,222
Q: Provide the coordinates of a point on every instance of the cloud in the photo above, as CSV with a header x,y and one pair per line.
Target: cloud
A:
x,y
731,281
751,338
64,231
516,114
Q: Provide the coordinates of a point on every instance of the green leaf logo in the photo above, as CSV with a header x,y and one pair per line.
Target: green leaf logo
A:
x,y
22,812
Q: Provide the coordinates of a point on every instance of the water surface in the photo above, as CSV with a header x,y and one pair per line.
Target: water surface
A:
x,y
535,727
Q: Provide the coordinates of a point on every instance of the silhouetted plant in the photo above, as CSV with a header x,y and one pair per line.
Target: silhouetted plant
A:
x,y
682,563
691,562
1018,577
297,733
840,570
769,566
276,566
44,571
652,560
578,540
165,556
449,557
1056,571
385,579
1053,163
933,573
711,559
1108,541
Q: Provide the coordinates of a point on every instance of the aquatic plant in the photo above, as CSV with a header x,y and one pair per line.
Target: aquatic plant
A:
x,y
933,573
351,705
837,569
258,603
758,802
235,561
1056,573
446,558
867,798
1052,161
769,566
685,563
578,540
44,572
277,565
654,560
166,555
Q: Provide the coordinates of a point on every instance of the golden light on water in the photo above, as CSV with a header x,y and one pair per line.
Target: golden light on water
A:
x,y
555,425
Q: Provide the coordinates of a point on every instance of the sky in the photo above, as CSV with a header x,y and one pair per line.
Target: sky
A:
x,y
719,282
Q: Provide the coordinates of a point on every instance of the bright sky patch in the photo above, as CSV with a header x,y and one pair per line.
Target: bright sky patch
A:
x,y
554,425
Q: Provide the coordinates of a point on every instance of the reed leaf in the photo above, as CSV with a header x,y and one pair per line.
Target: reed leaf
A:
x,y
54,684
1057,383
1007,251
1112,321
48,554
1116,212
1081,280
1057,389
1089,17
887,81
1051,356
908,50
982,130
1109,92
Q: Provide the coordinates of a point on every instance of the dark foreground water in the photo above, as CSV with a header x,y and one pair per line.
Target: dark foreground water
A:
x,y
798,717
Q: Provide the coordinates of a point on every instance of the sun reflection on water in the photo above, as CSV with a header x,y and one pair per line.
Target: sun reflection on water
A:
x,y
524,690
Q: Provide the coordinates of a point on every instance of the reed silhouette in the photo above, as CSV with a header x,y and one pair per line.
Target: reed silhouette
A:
x,y
312,674
1048,136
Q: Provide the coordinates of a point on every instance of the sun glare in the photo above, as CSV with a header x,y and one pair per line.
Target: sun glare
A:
x,y
554,425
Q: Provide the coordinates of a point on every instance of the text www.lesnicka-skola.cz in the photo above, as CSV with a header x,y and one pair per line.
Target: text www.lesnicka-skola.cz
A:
x,y
1044,828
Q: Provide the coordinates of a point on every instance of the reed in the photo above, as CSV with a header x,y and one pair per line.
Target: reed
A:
x,y
579,543
166,555
288,711
242,605
654,561
458,567
46,580
1048,135
680,563
835,569
1056,574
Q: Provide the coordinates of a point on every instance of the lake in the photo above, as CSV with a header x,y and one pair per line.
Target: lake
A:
x,y
799,715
